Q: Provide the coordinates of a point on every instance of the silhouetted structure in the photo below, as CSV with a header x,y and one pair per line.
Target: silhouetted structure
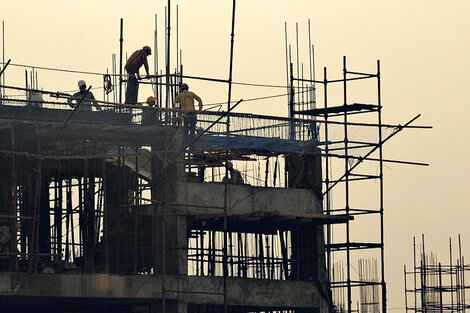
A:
x,y
99,211
435,287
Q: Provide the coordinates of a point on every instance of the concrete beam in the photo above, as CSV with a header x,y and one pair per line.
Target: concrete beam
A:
x,y
208,198
188,289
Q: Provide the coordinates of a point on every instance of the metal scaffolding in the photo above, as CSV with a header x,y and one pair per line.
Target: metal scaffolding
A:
x,y
431,286
342,138
95,192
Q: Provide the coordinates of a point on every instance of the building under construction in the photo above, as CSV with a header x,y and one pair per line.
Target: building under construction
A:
x,y
432,286
117,211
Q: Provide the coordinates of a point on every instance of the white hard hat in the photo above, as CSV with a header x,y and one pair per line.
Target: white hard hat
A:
x,y
81,83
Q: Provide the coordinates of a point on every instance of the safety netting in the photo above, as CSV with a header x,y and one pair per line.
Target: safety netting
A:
x,y
49,127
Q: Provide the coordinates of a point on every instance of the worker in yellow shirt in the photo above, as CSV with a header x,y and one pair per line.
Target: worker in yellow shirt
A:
x,y
186,100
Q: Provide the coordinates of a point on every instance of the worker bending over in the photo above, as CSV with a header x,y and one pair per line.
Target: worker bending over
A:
x,y
88,100
186,100
133,64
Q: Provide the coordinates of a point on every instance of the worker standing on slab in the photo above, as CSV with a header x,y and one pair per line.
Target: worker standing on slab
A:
x,y
133,64
235,175
185,98
88,100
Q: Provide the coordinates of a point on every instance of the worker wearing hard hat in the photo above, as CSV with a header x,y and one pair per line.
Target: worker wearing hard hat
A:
x,y
133,64
87,101
235,176
149,116
186,100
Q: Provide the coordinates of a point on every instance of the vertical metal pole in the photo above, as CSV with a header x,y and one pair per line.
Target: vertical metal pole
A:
x,y
31,79
113,70
202,253
414,273
327,174
291,102
314,91
67,221
106,217
312,104
70,208
406,291
224,260
302,93
346,180
136,243
3,57
266,173
161,88
232,35
82,184
167,74
464,306
287,62
26,78
177,39
297,59
461,277
155,60
104,91
225,267
458,283
230,238
163,226
451,278
423,278
310,54
382,250
288,97
180,80
164,51
58,215
120,61
423,286
440,288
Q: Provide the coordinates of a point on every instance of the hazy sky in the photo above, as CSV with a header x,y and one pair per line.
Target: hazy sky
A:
x,y
424,48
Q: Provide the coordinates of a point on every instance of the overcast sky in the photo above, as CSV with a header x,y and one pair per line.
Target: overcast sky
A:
x,y
424,48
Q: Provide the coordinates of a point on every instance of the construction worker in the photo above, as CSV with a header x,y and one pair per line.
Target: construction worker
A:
x,y
88,100
133,64
149,116
185,98
235,176
35,99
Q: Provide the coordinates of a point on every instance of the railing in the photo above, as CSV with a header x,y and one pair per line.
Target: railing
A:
x,y
241,124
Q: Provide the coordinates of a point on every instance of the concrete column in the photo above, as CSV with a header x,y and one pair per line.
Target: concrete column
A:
x,y
305,172
169,219
305,251
117,220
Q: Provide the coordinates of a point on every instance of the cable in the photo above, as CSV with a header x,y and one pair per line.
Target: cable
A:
x,y
257,98
259,85
101,74
65,91
57,69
